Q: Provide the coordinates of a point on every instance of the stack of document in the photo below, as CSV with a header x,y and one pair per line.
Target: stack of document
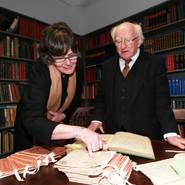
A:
x,y
106,167
29,161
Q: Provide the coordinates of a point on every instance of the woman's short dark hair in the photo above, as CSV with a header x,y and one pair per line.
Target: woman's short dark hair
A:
x,y
57,39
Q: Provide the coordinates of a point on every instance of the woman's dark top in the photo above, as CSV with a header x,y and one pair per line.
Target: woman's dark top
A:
x,y
31,120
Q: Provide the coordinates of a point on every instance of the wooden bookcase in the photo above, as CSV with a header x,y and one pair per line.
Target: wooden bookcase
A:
x,y
156,30
18,52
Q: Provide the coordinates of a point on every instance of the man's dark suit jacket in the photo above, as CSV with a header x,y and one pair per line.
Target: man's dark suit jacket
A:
x,y
149,112
30,118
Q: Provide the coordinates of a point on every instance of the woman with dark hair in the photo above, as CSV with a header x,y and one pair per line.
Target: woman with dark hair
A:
x,y
54,89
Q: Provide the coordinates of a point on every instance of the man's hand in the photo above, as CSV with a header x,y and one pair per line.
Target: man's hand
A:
x,y
57,117
177,141
95,125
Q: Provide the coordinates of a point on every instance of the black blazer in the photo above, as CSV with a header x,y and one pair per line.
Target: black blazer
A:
x,y
149,112
30,118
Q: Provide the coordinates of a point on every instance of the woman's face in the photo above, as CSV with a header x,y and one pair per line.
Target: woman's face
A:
x,y
66,64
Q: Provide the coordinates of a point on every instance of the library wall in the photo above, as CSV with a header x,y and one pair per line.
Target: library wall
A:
x,y
48,11
109,11
99,14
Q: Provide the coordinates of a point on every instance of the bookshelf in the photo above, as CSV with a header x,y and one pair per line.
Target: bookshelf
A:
x,y
20,36
172,25
19,39
97,47
164,19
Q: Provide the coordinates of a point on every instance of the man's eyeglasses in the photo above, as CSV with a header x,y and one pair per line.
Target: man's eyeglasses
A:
x,y
63,59
126,41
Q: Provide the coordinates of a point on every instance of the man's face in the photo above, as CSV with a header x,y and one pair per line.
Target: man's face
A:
x,y
127,41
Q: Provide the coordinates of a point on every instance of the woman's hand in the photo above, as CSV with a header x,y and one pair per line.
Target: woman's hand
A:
x,y
57,117
93,140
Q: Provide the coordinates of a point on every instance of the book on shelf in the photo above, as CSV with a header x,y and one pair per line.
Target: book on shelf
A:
x,y
26,27
92,90
166,41
5,22
78,38
39,28
177,86
94,58
175,61
11,70
11,91
6,141
93,74
14,47
176,104
7,116
99,40
14,25
167,15
181,128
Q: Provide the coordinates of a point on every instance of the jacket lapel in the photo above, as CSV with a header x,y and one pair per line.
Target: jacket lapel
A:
x,y
113,67
140,74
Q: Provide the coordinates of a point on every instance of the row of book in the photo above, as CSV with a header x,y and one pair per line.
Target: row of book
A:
x,y
175,61
39,28
10,92
94,74
13,47
99,40
164,42
177,86
26,27
176,104
95,58
10,70
6,141
7,117
78,38
92,90
5,22
165,16
181,128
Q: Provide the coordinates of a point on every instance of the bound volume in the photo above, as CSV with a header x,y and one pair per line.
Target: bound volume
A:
x,y
131,144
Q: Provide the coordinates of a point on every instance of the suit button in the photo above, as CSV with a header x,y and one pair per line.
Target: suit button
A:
x,y
122,97
123,90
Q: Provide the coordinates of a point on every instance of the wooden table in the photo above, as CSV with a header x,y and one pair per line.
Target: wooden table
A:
x,y
51,176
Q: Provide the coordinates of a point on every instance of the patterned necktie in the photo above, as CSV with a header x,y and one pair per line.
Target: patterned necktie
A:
x,y
126,68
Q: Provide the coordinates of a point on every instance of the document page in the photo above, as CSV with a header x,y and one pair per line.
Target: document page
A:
x,y
160,172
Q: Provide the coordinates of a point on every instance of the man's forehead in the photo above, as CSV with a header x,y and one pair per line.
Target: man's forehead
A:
x,y
126,29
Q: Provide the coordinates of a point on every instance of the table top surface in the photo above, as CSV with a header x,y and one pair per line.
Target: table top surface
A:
x,y
48,175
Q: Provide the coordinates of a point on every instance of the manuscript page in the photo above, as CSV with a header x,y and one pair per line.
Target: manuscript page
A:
x,y
132,144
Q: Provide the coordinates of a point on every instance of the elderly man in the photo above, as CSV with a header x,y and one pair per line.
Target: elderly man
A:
x,y
134,93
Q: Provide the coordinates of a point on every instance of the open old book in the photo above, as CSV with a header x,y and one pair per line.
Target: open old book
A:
x,y
125,142
129,143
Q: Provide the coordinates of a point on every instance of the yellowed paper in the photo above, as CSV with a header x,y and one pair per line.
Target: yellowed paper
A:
x,y
82,159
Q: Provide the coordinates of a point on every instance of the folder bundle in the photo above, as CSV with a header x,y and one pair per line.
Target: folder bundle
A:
x,y
29,161
106,167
